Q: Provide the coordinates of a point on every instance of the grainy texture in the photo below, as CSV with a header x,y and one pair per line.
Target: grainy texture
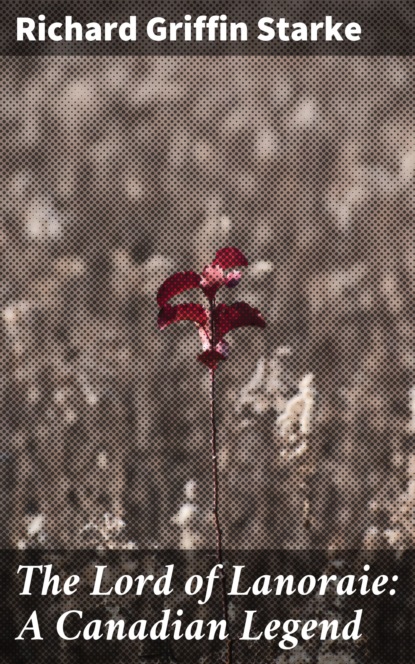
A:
x,y
115,172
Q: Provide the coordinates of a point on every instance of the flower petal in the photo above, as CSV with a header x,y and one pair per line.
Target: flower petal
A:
x,y
230,257
188,311
213,277
233,278
240,314
223,348
176,284
211,358
204,334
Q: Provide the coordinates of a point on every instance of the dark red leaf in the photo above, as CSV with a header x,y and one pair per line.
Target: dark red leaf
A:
x,y
228,318
176,284
211,358
230,257
188,311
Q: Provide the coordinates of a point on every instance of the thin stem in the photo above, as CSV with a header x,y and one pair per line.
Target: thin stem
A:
x,y
219,554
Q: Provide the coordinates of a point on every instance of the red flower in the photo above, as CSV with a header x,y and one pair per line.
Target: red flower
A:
x,y
217,320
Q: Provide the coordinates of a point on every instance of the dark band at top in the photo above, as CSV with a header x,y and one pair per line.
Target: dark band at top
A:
x,y
300,27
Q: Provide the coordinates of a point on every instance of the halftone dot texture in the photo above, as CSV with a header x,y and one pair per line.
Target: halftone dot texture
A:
x,y
117,172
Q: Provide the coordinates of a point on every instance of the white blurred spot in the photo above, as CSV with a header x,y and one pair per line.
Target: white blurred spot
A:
x,y
10,315
102,460
190,489
284,351
134,188
70,416
42,221
260,268
80,91
298,409
288,454
204,152
411,425
267,144
225,223
393,536
59,396
33,394
35,525
70,266
185,513
113,523
90,396
157,263
408,166
18,348
305,113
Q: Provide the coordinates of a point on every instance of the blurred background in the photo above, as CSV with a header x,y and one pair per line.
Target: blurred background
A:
x,y
118,171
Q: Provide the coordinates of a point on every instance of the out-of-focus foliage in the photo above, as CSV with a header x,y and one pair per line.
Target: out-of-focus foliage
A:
x,y
116,172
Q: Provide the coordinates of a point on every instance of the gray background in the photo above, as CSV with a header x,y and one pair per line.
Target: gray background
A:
x,y
115,172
